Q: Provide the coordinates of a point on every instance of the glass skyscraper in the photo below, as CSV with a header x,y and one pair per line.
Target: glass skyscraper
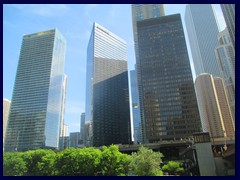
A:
x,y
202,30
137,133
229,16
141,12
37,101
225,54
168,95
107,96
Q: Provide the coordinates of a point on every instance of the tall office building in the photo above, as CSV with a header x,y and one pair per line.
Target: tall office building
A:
x,y
6,108
107,96
83,128
74,140
229,16
226,58
36,110
137,133
141,12
202,29
168,95
213,106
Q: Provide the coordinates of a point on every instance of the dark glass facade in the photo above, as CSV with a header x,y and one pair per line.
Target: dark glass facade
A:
x,y
107,96
168,95
111,112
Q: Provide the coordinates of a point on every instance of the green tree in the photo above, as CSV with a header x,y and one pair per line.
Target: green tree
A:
x,y
173,167
113,162
89,161
66,162
46,165
37,162
13,164
145,162
78,162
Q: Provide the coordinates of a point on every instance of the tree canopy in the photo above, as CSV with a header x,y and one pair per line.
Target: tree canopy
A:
x,y
146,162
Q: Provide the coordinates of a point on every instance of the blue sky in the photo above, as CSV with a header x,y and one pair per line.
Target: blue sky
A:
x,y
75,22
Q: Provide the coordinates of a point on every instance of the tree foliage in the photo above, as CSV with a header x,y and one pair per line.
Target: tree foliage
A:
x,y
172,167
39,162
146,162
13,164
107,161
113,162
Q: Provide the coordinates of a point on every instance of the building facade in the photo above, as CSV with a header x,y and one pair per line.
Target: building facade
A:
x,y
107,96
83,129
141,12
74,139
168,95
202,30
36,110
6,108
229,16
89,133
213,106
62,125
225,54
136,118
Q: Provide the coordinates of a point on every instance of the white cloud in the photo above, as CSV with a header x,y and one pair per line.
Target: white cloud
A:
x,y
47,10
73,107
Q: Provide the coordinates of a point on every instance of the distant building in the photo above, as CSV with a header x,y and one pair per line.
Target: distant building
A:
x,y
202,30
107,94
168,96
225,54
213,106
137,130
229,16
88,127
6,108
74,140
83,129
37,102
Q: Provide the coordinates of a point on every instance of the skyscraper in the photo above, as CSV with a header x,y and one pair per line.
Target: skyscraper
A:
x,y
107,96
6,108
229,16
137,133
213,106
202,30
168,95
141,12
74,139
226,58
36,110
83,128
